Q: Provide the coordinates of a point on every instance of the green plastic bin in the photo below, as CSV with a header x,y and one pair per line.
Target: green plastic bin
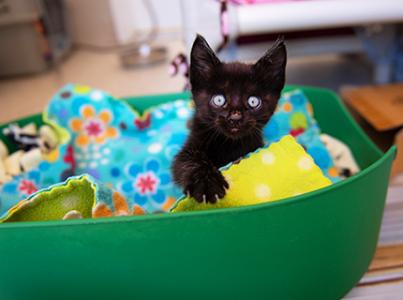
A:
x,y
313,246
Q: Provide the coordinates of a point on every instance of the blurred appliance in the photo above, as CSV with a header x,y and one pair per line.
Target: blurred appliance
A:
x,y
33,35
141,52
113,25
310,27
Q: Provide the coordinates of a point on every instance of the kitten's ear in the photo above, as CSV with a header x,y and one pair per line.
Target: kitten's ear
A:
x,y
270,68
202,61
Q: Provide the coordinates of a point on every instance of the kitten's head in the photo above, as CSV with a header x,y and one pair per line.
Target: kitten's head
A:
x,y
236,99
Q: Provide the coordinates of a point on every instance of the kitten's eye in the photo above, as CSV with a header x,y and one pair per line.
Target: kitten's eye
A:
x,y
218,101
254,102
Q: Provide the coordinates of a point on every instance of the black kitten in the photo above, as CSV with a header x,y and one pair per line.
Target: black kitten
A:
x,y
234,101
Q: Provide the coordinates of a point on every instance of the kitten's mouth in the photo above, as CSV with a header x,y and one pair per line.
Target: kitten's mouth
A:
x,y
235,132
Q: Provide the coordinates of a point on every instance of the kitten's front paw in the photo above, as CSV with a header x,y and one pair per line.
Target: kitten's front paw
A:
x,y
207,186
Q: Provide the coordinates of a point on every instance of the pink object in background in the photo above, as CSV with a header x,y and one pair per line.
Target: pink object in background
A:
x,y
224,23
243,2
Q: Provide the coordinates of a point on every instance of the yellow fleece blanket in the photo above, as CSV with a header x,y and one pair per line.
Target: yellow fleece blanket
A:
x,y
279,171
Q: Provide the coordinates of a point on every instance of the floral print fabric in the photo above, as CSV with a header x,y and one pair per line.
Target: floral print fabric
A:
x,y
109,140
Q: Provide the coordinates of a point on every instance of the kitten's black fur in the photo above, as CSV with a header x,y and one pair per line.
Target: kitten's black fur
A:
x,y
220,135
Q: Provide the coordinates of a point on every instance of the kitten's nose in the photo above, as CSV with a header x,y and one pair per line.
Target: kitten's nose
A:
x,y
235,115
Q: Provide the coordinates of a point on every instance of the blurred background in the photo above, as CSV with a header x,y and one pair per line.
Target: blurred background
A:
x,y
133,47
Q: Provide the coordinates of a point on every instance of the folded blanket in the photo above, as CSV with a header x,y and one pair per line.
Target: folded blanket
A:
x,y
273,173
77,197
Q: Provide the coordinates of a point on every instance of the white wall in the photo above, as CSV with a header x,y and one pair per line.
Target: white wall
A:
x,y
131,16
